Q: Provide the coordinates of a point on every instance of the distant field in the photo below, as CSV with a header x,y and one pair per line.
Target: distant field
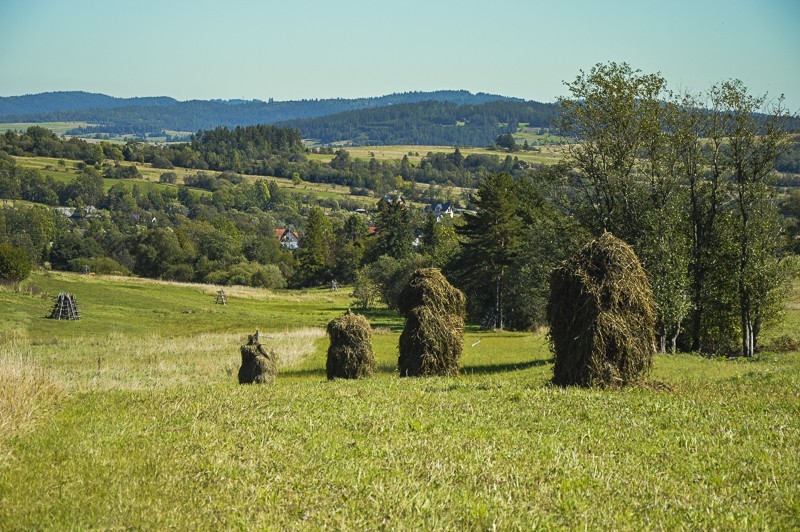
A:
x,y
59,128
132,418
548,154
150,177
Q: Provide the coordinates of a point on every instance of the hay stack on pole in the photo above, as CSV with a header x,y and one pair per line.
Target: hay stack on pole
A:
x,y
432,339
259,366
601,316
350,354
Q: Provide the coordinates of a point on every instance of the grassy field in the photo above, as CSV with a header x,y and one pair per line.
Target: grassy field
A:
x,y
150,177
547,155
132,418
59,128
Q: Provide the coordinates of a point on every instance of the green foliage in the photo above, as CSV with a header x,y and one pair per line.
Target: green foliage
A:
x,y
314,253
386,277
15,265
491,241
695,210
393,227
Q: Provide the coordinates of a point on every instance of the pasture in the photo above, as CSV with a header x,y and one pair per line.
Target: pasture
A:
x,y
59,128
132,418
307,192
547,155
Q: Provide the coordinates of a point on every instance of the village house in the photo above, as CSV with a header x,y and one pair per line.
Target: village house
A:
x,y
287,238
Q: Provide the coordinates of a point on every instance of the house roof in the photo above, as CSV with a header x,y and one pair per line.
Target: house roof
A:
x,y
282,232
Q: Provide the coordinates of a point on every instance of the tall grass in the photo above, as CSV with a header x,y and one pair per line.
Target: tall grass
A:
x,y
26,390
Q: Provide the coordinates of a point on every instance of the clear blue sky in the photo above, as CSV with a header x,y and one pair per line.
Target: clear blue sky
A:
x,y
199,49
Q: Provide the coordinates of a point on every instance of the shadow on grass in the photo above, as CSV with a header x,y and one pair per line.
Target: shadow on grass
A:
x,y
383,318
321,373
504,368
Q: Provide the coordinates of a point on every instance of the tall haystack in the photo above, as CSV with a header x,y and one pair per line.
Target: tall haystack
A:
x,y
432,339
601,316
259,365
350,354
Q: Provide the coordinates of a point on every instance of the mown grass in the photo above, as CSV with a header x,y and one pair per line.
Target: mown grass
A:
x,y
160,435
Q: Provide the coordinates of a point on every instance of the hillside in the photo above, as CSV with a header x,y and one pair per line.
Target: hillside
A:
x,y
52,102
113,115
131,418
429,122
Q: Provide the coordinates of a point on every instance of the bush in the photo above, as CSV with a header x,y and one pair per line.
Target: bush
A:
x,y
101,265
15,264
168,177
601,316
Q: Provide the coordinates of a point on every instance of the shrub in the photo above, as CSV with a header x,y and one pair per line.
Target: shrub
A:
x,y
15,264
101,265
168,177
601,316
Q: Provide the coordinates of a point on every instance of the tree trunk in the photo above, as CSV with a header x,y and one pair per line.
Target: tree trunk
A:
x,y
674,339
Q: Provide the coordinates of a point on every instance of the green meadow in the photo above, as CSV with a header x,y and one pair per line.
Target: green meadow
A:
x,y
59,128
307,192
132,418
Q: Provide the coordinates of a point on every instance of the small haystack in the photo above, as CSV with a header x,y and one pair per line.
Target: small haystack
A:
x,y
350,354
65,308
258,365
432,339
601,316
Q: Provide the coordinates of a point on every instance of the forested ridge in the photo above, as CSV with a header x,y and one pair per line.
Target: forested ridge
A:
x,y
140,116
427,123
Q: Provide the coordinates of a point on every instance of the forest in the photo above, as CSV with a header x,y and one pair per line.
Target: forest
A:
x,y
427,123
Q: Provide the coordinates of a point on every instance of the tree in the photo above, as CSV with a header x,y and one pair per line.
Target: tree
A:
x,y
393,226
313,254
613,119
15,265
752,137
506,141
491,240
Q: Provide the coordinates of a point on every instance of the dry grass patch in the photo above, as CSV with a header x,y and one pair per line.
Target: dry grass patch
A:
x,y
26,391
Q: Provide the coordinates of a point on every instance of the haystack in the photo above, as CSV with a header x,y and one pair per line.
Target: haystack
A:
x,y
601,316
432,339
350,354
259,365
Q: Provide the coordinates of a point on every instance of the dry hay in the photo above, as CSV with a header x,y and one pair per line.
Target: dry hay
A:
x,y
259,366
432,339
601,316
350,354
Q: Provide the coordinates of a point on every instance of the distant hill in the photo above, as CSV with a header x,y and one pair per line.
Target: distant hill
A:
x,y
146,115
427,123
51,102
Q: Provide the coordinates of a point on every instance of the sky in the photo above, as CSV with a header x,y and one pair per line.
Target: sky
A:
x,y
250,49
